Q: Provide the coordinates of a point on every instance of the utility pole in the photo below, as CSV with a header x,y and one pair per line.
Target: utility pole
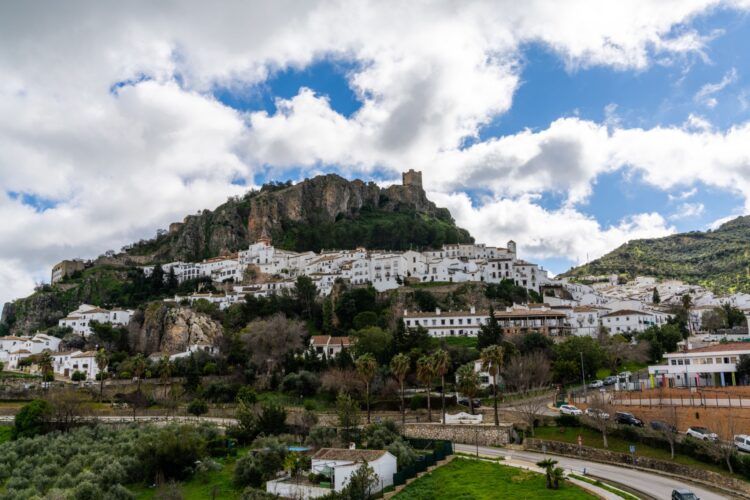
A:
x,y
583,378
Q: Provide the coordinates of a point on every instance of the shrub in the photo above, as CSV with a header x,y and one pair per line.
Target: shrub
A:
x,y
247,395
33,419
171,453
260,464
78,376
197,407
568,421
303,383
271,420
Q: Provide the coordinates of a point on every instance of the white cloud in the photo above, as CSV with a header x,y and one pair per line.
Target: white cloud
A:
x,y
688,210
707,92
542,233
106,109
684,195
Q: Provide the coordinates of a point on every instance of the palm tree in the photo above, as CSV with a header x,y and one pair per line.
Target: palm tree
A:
x,y
426,374
102,360
45,364
139,367
492,363
400,365
366,368
468,383
441,361
549,468
165,371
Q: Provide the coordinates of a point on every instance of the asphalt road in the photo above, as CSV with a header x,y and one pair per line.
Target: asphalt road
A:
x,y
650,483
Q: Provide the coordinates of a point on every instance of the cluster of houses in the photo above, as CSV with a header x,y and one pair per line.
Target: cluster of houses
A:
x,y
270,269
14,349
80,319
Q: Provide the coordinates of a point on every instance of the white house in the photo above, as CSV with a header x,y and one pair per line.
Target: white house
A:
x,y
714,365
84,362
339,465
329,347
194,348
632,321
80,319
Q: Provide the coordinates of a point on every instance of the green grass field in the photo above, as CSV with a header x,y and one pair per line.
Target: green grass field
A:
x,y
466,479
5,431
455,341
593,439
218,484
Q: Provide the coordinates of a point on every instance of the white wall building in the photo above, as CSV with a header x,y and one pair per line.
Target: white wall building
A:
x,y
632,321
329,347
714,365
80,319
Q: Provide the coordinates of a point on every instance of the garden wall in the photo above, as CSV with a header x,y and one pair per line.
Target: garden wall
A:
x,y
484,434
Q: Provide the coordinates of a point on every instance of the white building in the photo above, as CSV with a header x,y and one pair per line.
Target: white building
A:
x,y
338,465
632,321
714,365
195,348
329,347
80,319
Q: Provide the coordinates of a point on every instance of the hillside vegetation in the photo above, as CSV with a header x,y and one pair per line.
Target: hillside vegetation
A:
x,y
718,260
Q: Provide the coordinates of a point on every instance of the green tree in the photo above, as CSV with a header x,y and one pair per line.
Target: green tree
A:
x,y
400,365
492,362
655,298
360,484
305,293
442,361
743,368
548,465
490,333
32,419
197,407
425,375
734,316
347,411
102,360
572,349
45,364
367,367
373,340
468,383
139,368
166,368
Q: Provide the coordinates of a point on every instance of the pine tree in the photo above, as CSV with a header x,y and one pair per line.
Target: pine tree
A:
x,y
490,333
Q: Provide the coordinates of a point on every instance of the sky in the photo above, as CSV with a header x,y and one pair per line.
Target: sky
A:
x,y
569,127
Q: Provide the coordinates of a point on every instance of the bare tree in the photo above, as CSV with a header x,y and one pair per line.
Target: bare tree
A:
x,y
669,426
528,375
68,407
723,448
337,380
270,340
599,413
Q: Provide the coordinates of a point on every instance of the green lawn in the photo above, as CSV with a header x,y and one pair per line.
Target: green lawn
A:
x,y
465,479
218,484
593,439
630,366
455,341
5,431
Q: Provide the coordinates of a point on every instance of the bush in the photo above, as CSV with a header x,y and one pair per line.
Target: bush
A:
x,y
271,420
261,464
32,419
568,421
197,407
247,395
78,376
171,453
303,383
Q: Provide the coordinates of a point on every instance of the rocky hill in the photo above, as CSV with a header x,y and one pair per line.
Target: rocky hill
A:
x,y
719,259
323,212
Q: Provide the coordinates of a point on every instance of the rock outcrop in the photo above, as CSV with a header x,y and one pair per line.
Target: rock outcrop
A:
x,y
171,329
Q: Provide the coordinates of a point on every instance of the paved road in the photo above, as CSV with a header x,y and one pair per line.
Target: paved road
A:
x,y
651,484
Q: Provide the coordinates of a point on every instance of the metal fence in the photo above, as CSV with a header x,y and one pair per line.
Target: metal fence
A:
x,y
431,452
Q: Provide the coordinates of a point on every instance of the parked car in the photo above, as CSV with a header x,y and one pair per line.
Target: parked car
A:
x,y
742,442
570,410
597,413
660,426
625,418
702,433
596,384
684,494
611,380
465,402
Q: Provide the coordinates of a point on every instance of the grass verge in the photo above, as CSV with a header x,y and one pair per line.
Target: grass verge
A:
x,y
605,486
481,480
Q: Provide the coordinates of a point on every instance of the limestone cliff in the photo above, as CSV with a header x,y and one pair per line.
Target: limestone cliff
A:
x,y
323,212
171,329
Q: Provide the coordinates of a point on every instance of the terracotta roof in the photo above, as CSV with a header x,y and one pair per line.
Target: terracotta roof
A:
x,y
627,312
21,351
87,354
95,310
324,340
348,455
11,337
728,347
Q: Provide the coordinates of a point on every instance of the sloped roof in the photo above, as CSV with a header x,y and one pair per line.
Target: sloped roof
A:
x,y
348,455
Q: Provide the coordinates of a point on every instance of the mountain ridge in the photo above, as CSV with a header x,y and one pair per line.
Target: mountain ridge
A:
x,y
718,259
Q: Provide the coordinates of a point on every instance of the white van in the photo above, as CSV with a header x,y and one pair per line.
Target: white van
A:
x,y
742,443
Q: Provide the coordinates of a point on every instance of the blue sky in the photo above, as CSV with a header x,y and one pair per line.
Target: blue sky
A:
x,y
570,129
662,95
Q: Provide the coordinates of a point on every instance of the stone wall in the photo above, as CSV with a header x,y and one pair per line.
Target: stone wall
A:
x,y
740,488
485,434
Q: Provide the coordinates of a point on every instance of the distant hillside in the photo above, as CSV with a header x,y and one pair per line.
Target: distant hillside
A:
x,y
324,212
719,259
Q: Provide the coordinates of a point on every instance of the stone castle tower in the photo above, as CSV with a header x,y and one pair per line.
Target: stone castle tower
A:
x,y
412,178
